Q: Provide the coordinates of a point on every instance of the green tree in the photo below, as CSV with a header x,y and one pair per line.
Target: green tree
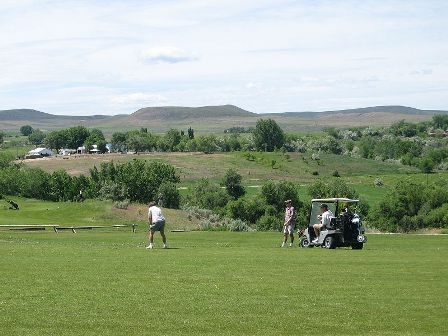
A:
x,y
268,136
26,130
207,195
36,137
190,133
248,210
5,159
440,121
2,137
76,136
232,182
56,140
427,165
138,179
367,147
168,196
96,137
173,138
119,141
333,187
206,143
139,142
399,205
276,193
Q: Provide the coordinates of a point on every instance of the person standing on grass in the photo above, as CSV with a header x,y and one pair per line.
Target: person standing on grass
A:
x,y
288,225
156,223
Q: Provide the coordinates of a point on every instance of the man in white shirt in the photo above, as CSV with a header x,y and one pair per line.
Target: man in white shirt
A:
x,y
156,223
325,219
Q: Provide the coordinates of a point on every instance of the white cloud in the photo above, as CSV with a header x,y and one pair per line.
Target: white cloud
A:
x,y
265,55
139,98
165,54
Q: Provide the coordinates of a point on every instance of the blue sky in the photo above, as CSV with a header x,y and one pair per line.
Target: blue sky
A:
x,y
110,57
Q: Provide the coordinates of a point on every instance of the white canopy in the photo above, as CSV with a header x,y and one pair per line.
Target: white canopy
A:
x,y
334,200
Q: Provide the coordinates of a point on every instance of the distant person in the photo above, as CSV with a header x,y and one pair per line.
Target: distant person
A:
x,y
325,219
81,196
288,225
13,205
156,223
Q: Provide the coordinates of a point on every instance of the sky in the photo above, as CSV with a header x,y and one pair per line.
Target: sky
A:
x,y
84,57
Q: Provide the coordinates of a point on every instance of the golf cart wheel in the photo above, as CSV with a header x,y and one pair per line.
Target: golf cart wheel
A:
x,y
304,242
357,246
330,242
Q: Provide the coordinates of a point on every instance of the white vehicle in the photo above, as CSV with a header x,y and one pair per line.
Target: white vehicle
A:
x,y
345,228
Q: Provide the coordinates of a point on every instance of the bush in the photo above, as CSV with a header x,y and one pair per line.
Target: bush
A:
x,y
122,204
378,182
112,190
248,210
410,206
336,174
269,223
268,136
168,195
276,193
333,187
232,183
315,173
208,196
212,221
237,225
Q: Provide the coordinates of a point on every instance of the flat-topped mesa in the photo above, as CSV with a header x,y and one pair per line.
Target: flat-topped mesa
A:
x,y
180,112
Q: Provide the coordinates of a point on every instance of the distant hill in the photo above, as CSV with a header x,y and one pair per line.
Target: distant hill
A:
x,y
214,118
24,114
394,109
34,115
178,112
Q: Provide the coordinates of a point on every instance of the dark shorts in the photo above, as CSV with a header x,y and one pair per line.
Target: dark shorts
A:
x,y
157,226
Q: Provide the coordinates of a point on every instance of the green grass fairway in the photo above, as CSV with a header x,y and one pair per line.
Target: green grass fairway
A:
x,y
219,283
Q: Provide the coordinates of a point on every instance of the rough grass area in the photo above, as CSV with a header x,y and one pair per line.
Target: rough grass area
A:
x,y
89,212
253,167
219,283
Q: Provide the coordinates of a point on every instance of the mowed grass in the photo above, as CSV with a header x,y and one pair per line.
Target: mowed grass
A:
x,y
219,283
87,213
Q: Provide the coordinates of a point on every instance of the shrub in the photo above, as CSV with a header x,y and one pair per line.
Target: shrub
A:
x,y
112,190
248,210
315,173
168,195
276,193
232,183
336,174
237,225
269,223
208,196
121,204
378,182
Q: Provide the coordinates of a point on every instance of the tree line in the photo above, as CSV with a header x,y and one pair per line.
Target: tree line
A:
x,y
423,145
135,181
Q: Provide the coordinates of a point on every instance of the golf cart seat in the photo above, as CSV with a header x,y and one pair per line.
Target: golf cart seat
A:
x,y
333,224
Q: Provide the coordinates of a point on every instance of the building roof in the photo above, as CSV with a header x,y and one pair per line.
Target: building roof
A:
x,y
334,200
39,150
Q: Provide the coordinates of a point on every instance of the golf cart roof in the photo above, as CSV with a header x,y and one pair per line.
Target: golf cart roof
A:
x,y
334,200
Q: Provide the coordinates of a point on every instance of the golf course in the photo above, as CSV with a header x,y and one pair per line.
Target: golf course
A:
x,y
105,282
237,168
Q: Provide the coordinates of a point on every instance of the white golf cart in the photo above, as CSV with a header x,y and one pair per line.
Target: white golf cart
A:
x,y
345,228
